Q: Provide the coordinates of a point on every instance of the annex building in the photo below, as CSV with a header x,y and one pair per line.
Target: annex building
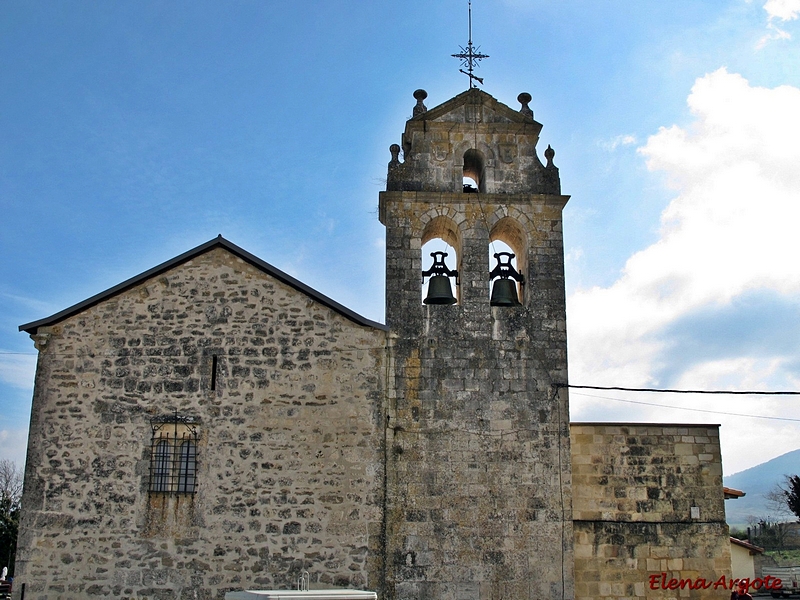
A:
x,y
213,424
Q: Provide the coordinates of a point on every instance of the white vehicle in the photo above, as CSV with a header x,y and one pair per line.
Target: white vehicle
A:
x,y
790,580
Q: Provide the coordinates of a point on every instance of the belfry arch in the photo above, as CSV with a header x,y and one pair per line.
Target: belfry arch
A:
x,y
442,234
508,231
475,169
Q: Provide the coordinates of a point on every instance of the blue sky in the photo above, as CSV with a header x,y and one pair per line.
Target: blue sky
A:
x,y
131,132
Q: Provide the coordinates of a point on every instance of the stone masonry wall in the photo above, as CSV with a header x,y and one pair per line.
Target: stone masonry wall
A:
x,y
634,486
478,470
289,458
434,145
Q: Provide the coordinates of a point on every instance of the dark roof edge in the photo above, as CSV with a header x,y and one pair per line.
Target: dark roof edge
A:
x,y
748,545
643,424
218,242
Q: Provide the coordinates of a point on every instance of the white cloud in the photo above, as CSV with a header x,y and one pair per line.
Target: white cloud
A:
x,y
574,255
13,445
616,142
18,369
785,10
777,34
731,229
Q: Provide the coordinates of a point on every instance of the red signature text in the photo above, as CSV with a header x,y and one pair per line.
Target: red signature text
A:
x,y
660,581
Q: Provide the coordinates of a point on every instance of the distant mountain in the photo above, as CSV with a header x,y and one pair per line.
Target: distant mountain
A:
x,y
756,482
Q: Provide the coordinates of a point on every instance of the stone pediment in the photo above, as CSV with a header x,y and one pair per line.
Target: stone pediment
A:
x,y
472,135
216,243
473,105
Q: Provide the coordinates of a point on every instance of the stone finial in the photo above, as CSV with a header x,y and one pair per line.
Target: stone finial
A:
x,y
420,108
523,99
549,154
395,150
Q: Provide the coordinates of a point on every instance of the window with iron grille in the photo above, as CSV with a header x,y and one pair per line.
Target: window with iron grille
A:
x,y
173,455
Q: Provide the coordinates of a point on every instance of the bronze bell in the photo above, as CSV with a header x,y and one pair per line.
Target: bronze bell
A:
x,y
504,290
439,290
504,293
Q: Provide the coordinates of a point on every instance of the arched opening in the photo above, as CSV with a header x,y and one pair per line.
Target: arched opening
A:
x,y
473,172
508,237
162,467
187,467
441,236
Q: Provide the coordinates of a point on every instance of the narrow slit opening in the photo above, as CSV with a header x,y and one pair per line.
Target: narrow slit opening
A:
x,y
214,372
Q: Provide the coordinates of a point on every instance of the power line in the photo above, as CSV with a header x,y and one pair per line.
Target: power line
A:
x,y
675,391
714,412
625,389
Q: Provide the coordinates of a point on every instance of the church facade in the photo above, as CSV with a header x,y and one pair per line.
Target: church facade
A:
x,y
214,424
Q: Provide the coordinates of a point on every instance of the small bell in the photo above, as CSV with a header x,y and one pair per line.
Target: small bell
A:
x,y
504,291
439,290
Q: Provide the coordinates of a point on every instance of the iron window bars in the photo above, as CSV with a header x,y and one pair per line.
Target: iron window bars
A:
x,y
173,455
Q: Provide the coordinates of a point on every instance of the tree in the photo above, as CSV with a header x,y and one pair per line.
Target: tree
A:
x,y
10,497
768,533
784,499
791,494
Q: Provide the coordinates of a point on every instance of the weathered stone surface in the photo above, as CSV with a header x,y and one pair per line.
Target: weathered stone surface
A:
x,y
289,454
435,144
633,489
432,462
617,560
478,482
646,472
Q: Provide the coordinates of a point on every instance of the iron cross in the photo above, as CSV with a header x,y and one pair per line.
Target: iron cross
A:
x,y
470,56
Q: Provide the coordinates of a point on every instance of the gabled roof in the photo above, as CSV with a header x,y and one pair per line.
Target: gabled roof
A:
x,y
732,494
218,242
753,548
475,96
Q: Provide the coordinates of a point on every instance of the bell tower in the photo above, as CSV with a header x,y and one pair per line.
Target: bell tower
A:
x,y
478,478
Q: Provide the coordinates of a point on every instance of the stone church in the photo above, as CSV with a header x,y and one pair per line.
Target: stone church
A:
x,y
214,424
